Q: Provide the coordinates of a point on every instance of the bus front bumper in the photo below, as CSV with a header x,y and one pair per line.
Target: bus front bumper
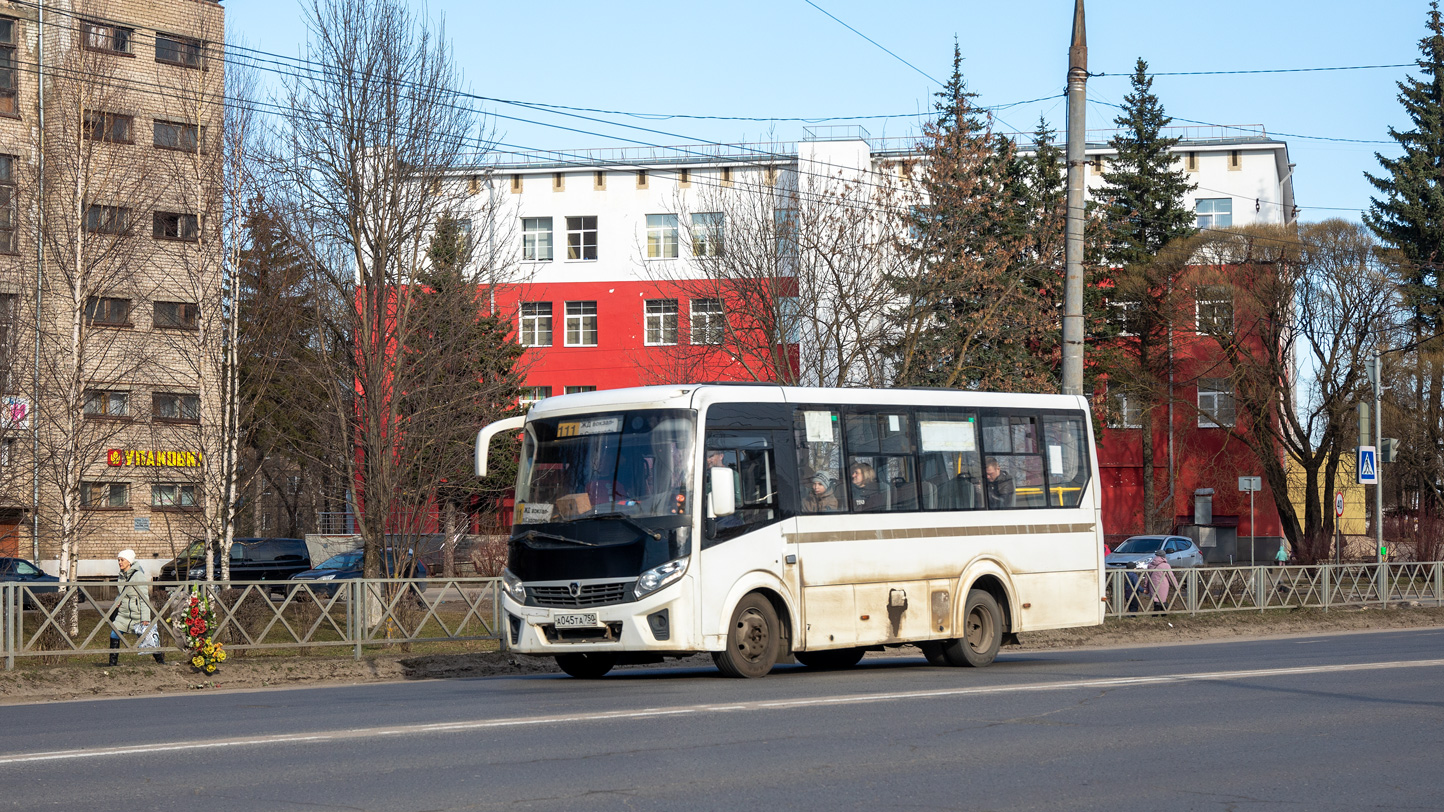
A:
x,y
656,623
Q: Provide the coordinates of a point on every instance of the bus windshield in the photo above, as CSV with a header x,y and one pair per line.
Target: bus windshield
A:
x,y
633,463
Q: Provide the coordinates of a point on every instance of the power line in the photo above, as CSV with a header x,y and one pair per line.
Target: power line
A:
x,y
1286,135
1264,70
874,42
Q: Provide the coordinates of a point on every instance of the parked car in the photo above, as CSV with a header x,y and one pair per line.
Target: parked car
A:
x,y
1179,550
252,559
348,566
20,571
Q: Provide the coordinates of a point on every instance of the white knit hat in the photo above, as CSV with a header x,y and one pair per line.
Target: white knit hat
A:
x,y
128,555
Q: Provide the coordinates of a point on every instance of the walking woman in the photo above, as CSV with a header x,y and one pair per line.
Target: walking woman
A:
x,y
132,610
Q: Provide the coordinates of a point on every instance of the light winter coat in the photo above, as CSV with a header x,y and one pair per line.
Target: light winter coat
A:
x,y
132,606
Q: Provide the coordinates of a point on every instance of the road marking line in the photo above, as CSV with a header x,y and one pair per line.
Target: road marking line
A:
x,y
651,713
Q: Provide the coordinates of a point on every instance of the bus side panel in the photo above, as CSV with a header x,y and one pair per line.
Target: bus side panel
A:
x,y
729,570
1059,599
830,615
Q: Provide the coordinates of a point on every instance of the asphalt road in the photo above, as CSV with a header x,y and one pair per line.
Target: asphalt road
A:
x,y
1344,722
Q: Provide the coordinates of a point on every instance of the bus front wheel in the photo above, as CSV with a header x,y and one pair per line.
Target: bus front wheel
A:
x,y
586,666
982,632
752,639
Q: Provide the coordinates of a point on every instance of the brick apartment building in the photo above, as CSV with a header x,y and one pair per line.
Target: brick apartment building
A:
x,y
110,120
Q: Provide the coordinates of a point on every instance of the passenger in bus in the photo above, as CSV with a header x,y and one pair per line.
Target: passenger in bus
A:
x,y
822,498
997,485
866,493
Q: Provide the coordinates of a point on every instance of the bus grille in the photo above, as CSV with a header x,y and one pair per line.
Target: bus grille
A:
x,y
560,597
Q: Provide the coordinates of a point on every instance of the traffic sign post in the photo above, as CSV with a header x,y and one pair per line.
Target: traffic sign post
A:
x,y
1250,485
1338,527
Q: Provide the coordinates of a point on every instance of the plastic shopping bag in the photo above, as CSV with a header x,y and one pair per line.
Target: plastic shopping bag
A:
x,y
149,635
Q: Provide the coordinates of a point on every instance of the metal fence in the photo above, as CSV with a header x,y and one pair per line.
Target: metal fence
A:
x,y
71,619
1234,589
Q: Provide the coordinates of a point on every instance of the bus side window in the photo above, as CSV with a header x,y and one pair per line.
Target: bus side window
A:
x,y
822,483
1067,452
750,456
951,467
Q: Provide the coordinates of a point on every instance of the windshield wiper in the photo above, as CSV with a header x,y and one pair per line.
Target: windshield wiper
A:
x,y
533,535
656,536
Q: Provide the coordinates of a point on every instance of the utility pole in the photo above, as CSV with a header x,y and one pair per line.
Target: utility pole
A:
x,y
1077,137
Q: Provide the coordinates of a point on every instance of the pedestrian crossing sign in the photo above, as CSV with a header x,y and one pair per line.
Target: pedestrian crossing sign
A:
x,y
1368,465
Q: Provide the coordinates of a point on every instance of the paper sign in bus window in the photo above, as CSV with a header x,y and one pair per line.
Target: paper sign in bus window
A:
x,y
1055,460
819,426
947,435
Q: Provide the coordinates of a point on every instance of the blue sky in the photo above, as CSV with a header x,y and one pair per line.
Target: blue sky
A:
x,y
787,59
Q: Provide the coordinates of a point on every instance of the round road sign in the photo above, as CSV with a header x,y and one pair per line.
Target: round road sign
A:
x,y
1339,503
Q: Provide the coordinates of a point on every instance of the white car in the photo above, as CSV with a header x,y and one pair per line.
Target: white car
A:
x,y
1179,550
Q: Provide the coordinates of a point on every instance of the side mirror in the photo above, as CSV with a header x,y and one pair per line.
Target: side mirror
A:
x,y
722,494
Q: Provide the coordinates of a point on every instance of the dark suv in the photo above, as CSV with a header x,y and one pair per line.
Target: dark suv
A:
x,y
252,559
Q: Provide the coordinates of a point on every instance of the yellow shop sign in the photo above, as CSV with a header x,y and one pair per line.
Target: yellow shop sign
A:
x,y
148,458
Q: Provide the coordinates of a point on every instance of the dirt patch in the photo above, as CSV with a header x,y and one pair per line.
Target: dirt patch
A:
x,y
139,676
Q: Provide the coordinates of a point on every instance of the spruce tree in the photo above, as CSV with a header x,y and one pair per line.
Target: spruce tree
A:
x,y
1408,217
1143,202
971,316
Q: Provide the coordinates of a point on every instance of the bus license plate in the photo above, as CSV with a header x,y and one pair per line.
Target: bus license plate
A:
x,y
577,620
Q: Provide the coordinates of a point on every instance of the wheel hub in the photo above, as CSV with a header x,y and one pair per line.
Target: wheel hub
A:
x,y
751,636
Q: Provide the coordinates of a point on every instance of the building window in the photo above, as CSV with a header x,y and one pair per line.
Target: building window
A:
x,y
1124,315
577,390
1235,160
536,239
171,225
1215,309
105,310
1191,162
661,321
177,315
9,88
175,408
684,177
1215,403
110,38
106,403
581,324
582,237
516,184
172,495
784,224
559,182
726,176
532,394
176,135
9,206
707,321
174,50
1214,212
599,181
115,128
7,450
103,495
9,305
661,236
1128,412
536,324
707,234
641,178
107,219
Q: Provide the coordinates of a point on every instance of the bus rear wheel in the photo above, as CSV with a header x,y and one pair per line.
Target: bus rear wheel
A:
x,y
753,639
586,666
982,632
831,659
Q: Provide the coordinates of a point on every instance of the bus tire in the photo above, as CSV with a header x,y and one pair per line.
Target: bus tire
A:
x,y
753,639
586,666
832,659
982,632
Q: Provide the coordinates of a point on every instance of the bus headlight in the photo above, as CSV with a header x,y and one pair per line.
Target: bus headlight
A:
x,y
512,586
658,577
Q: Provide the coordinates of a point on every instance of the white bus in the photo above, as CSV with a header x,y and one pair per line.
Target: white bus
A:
x,y
765,523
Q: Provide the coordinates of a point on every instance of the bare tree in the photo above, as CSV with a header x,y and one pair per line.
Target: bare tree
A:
x,y
95,192
371,129
1295,314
